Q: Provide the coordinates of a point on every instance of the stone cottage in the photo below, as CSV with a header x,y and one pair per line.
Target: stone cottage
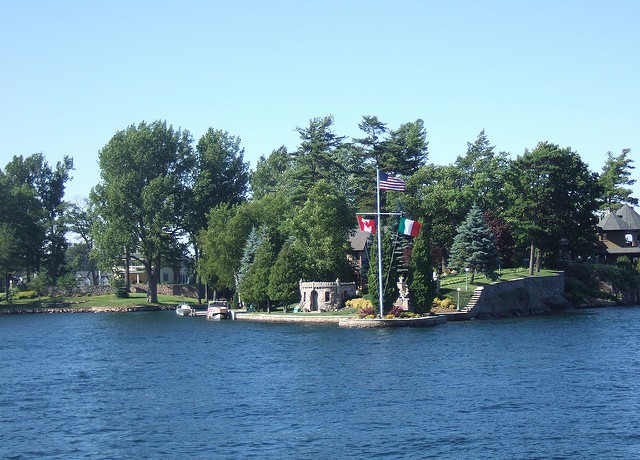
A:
x,y
325,296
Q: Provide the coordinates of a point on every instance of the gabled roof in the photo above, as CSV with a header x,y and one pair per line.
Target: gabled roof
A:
x,y
612,222
631,217
359,240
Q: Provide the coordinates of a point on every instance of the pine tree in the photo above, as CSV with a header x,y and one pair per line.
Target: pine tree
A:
x,y
422,288
473,247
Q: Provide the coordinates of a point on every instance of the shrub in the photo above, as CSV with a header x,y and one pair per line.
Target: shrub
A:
x,y
26,295
359,303
447,303
396,311
366,312
119,288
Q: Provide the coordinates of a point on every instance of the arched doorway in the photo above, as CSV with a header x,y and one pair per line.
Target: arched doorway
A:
x,y
314,300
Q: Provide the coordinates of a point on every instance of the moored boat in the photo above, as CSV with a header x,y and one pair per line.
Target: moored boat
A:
x,y
217,309
185,309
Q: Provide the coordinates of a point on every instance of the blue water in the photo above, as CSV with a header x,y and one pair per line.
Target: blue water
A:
x,y
153,385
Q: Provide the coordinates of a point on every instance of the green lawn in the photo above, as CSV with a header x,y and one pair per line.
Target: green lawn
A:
x,y
103,301
449,284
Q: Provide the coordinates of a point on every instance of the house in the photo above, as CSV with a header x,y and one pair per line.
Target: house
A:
x,y
179,274
618,235
359,255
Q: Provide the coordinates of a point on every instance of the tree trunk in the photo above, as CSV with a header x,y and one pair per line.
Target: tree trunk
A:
x,y
127,266
153,272
532,255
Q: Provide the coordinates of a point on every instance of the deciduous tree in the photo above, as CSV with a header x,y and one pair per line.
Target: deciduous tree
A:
x,y
144,171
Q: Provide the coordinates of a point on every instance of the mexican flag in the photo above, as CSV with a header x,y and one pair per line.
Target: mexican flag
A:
x,y
409,227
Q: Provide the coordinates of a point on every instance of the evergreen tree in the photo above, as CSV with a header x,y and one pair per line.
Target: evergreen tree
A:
x,y
255,284
615,179
422,287
473,247
285,275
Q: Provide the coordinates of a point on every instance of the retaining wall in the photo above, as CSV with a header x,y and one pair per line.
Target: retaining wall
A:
x,y
520,297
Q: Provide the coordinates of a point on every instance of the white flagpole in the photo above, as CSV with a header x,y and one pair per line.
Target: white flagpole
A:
x,y
380,289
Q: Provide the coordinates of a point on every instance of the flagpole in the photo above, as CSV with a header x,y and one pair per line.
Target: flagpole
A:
x,y
380,300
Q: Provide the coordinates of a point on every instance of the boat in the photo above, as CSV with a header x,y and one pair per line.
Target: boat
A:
x,y
184,309
217,309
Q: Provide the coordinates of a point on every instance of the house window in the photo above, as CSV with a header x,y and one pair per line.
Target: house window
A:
x,y
165,277
628,238
327,296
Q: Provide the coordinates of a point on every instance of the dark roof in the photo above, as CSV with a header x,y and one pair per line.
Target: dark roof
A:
x,y
359,240
613,222
631,217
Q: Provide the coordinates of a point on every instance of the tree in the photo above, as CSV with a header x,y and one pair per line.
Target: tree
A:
x,y
482,173
321,231
223,244
315,158
285,275
614,180
144,171
436,195
48,185
8,255
371,145
269,172
406,149
473,247
80,217
422,288
254,285
219,175
553,197
503,238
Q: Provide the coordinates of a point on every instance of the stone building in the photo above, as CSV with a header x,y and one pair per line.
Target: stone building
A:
x,y
325,296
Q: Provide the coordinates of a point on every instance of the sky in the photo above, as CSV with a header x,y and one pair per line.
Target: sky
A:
x,y
76,72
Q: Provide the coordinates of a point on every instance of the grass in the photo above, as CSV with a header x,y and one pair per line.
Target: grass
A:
x,y
449,284
102,301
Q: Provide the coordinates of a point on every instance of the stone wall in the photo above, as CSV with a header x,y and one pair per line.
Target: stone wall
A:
x,y
521,297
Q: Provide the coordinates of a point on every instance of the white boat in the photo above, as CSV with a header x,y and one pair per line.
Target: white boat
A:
x,y
217,309
185,309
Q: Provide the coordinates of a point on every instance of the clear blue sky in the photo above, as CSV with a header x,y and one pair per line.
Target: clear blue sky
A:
x,y
76,72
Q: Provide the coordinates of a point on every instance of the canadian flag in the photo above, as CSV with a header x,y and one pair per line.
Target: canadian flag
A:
x,y
367,225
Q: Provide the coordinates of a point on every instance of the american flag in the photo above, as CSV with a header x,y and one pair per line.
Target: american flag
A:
x,y
388,182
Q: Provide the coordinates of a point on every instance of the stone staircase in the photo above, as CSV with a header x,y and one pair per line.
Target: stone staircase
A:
x,y
475,298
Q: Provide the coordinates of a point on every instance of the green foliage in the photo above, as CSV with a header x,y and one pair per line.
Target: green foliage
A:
x,y
223,244
389,271
422,288
553,196
40,283
144,174
254,285
615,179
473,247
19,295
67,283
119,287
285,275
321,232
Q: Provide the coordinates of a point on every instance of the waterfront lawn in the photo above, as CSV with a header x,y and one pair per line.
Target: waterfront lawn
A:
x,y
102,301
449,284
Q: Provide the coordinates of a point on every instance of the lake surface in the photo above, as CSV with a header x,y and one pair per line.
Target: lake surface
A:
x,y
154,385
